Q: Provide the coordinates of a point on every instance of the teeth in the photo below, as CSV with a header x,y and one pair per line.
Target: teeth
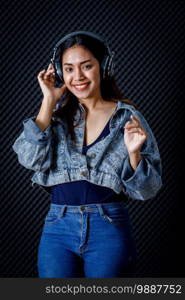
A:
x,y
80,86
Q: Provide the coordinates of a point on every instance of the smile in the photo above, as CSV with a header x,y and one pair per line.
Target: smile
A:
x,y
81,87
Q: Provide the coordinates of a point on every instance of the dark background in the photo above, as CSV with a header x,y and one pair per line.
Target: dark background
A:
x,y
147,37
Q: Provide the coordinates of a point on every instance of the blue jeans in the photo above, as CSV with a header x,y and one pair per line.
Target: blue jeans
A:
x,y
92,241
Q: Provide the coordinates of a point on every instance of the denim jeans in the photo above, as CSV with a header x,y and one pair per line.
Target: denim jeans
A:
x,y
91,240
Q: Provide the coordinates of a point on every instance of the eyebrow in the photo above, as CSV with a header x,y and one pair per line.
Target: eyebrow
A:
x,y
80,63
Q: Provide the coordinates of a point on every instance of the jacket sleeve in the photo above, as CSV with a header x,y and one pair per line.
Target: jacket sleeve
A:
x,y
33,146
145,182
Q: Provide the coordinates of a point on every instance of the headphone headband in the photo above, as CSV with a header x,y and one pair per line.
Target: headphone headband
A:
x,y
88,33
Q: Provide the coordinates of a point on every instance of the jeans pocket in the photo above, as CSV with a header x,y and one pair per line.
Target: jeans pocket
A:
x,y
116,219
52,217
117,216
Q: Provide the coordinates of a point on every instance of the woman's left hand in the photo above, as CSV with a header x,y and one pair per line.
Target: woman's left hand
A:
x,y
134,135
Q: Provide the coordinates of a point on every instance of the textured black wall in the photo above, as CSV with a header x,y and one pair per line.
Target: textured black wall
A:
x,y
147,37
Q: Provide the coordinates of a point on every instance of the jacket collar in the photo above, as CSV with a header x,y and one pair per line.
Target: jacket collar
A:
x,y
120,105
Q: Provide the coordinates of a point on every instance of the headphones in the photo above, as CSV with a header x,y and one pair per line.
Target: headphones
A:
x,y
107,65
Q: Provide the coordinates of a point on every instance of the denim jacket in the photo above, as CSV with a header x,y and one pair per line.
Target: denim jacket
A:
x,y
56,159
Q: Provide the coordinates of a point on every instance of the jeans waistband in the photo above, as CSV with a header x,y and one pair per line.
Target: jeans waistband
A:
x,y
97,207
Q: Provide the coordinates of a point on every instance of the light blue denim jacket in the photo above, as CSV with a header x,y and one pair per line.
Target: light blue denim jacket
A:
x,y
56,159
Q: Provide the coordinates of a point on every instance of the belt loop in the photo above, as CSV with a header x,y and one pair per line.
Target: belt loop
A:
x,y
101,211
63,210
100,208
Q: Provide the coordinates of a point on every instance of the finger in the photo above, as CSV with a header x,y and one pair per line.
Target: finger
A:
x,y
50,66
50,70
135,119
49,74
131,125
128,123
41,74
135,130
50,78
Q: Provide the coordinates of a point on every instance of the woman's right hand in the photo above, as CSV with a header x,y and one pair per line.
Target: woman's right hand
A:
x,y
46,80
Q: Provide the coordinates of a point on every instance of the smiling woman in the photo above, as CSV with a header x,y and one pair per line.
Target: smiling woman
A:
x,y
82,59
91,168
81,76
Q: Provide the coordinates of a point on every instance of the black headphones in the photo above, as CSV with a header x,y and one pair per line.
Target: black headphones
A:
x,y
107,65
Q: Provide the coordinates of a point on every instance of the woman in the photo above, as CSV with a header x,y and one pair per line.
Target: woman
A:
x,y
92,153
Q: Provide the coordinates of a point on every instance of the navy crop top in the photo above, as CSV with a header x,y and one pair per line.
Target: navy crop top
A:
x,y
84,192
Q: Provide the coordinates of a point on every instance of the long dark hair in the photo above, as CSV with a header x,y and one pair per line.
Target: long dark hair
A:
x,y
108,87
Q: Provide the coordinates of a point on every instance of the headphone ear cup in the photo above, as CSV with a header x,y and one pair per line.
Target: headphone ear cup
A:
x,y
111,69
111,65
107,67
58,74
104,66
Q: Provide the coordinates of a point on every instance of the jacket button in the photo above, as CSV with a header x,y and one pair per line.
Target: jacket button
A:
x,y
93,155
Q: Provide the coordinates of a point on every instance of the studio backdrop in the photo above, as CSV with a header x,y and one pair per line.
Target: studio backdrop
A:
x,y
149,64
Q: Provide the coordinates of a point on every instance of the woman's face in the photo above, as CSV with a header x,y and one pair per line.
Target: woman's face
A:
x,y
81,72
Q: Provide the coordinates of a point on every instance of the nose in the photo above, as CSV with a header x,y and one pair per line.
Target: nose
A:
x,y
78,74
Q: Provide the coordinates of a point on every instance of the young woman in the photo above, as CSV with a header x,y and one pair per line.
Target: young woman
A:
x,y
91,153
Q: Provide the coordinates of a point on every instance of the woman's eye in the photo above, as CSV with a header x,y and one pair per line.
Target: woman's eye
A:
x,y
88,66
69,69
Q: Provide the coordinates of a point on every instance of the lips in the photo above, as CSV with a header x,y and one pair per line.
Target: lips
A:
x,y
81,87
